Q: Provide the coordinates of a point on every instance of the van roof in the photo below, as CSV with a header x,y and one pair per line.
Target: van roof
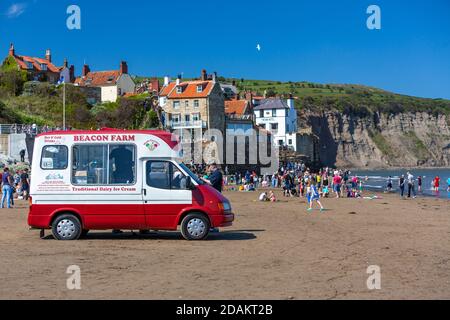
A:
x,y
169,138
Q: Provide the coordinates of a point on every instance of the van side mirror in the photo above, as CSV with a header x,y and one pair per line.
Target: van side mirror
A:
x,y
189,184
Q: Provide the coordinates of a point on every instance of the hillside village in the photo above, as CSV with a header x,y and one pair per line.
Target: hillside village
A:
x,y
297,117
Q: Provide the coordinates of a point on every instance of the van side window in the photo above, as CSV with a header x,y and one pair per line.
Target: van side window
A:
x,y
90,165
54,158
122,164
104,165
165,175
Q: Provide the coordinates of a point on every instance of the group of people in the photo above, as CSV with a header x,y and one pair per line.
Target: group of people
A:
x,y
12,184
407,185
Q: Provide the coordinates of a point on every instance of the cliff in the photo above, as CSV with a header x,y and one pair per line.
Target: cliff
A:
x,y
378,140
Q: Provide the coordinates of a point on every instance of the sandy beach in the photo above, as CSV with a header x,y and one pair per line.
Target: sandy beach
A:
x,y
273,251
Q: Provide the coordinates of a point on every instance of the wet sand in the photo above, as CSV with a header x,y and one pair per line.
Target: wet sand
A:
x,y
273,251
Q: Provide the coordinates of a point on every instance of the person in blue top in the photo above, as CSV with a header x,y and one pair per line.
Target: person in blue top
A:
x,y
215,178
448,184
314,195
7,188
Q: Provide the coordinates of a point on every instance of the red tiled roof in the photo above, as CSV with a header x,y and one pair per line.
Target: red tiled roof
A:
x,y
238,107
36,62
189,90
167,89
98,79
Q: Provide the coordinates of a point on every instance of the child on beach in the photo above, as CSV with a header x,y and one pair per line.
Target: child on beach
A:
x,y
263,197
314,195
272,197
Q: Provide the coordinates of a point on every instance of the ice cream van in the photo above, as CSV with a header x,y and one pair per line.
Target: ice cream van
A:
x,y
119,180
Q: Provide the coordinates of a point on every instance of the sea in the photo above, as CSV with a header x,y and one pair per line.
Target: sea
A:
x,y
377,180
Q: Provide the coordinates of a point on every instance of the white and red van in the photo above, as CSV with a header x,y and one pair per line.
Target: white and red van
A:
x,y
116,179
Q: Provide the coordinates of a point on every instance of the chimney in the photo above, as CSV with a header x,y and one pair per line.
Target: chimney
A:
x,y
66,64
214,77
72,73
48,55
11,50
166,81
178,81
204,75
155,84
86,70
123,68
290,102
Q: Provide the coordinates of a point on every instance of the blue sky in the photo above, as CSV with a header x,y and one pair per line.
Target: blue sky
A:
x,y
320,41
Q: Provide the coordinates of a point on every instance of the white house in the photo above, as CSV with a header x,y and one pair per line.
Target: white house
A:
x,y
113,84
279,117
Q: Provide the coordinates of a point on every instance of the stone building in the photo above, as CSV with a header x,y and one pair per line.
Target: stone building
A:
x,y
193,105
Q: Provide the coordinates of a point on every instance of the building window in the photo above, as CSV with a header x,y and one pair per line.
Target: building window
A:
x,y
179,89
274,112
280,143
186,104
274,126
54,158
29,65
44,67
196,104
176,118
187,118
104,164
176,104
261,113
196,117
290,142
199,88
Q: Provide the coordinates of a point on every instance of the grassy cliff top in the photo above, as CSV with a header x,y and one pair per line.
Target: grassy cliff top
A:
x,y
348,98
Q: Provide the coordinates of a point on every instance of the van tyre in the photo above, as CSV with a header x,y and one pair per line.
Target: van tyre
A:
x,y
195,226
66,227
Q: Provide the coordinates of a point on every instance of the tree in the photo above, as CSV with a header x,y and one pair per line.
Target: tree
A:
x,y
11,77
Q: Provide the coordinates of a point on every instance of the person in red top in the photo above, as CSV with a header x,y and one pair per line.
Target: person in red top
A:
x,y
437,183
337,180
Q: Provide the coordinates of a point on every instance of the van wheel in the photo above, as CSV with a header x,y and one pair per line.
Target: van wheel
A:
x,y
195,226
66,227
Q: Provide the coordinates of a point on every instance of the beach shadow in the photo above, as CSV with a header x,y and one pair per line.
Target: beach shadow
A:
x,y
237,235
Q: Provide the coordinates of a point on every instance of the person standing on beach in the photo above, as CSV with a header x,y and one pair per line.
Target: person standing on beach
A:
x,y
7,188
419,184
389,184
411,186
337,180
437,184
314,195
401,185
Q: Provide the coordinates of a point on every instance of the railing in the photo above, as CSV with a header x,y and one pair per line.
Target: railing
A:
x,y
245,117
187,124
24,128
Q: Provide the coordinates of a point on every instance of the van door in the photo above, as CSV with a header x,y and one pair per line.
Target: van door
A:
x,y
165,194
